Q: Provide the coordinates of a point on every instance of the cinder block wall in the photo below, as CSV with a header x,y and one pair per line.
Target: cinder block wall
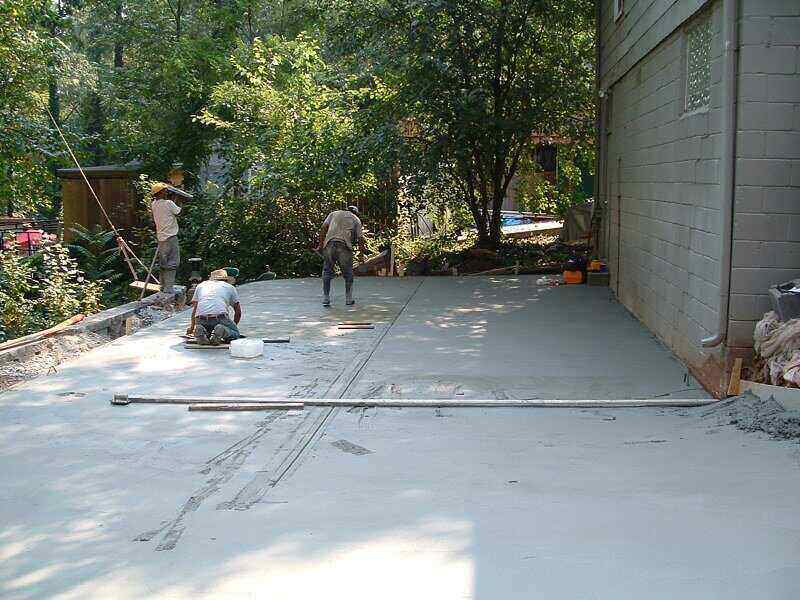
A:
x,y
661,176
766,247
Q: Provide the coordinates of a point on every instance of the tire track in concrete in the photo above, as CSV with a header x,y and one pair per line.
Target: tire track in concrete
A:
x,y
230,460
267,478
221,469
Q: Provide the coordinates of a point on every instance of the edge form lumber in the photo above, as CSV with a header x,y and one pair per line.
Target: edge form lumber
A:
x,y
35,337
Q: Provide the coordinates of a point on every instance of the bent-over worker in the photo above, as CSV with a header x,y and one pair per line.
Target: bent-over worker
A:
x,y
165,216
341,229
210,321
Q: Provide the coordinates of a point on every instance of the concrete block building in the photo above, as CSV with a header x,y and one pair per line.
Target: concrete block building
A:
x,y
699,166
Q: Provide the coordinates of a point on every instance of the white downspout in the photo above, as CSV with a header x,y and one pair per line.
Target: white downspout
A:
x,y
728,159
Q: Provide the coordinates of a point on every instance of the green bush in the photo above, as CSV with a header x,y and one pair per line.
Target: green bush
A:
x,y
100,259
39,292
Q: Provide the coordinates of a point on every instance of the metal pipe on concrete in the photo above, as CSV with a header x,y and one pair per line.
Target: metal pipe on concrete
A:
x,y
730,56
122,399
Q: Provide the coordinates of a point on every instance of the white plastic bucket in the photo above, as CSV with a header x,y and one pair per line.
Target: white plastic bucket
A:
x,y
247,348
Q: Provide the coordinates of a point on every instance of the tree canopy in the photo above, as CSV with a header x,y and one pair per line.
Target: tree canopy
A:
x,y
308,105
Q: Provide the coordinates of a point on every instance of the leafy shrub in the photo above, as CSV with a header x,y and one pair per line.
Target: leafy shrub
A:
x,y
39,292
100,259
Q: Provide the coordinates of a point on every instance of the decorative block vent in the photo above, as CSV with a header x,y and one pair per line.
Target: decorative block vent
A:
x,y
699,39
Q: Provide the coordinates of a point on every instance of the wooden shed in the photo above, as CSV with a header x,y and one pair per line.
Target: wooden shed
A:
x,y
113,185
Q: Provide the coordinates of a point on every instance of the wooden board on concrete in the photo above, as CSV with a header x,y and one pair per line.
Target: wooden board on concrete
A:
x,y
196,346
191,339
789,398
151,287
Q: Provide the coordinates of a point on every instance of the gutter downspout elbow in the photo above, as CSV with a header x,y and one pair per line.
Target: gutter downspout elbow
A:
x,y
729,90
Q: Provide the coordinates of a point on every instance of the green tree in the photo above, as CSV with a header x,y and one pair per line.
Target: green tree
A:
x,y
474,80
23,95
288,139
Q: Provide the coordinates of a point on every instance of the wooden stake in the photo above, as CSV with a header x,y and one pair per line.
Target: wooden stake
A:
x,y
736,378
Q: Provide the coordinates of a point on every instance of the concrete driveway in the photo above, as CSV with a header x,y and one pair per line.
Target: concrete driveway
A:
x,y
103,501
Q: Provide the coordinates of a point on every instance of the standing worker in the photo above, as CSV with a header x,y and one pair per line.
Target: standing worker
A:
x,y
165,216
341,229
210,322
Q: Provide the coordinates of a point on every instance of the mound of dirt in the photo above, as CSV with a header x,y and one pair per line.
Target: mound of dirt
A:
x,y
751,413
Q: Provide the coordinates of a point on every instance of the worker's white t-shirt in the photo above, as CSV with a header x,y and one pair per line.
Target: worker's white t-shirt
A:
x,y
164,216
343,226
214,297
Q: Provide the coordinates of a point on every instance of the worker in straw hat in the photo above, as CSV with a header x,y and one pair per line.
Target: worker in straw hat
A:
x,y
211,323
341,229
165,217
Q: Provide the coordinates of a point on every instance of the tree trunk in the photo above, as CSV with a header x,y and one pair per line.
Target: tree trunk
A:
x,y
118,47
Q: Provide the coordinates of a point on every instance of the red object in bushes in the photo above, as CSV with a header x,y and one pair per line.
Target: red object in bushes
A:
x,y
29,239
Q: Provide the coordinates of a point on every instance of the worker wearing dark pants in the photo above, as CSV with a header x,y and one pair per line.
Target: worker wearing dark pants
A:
x,y
341,229
337,253
215,329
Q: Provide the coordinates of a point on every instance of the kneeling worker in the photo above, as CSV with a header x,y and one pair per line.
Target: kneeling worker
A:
x,y
210,321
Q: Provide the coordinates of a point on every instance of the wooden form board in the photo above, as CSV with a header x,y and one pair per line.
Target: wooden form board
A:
x,y
196,346
151,287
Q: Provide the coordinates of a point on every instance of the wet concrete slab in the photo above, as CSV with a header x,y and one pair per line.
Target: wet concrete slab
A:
x,y
507,337
154,501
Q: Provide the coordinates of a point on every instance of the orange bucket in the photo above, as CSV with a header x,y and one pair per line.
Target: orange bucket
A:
x,y
573,277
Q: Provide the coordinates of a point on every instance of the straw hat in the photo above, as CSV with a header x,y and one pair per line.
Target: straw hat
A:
x,y
158,186
221,275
